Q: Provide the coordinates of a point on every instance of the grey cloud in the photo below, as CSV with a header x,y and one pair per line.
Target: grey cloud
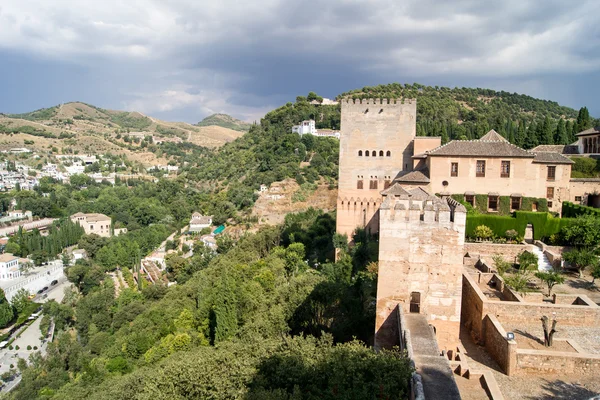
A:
x,y
172,58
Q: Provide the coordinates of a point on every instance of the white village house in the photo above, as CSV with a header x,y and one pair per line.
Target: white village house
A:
x,y
9,267
199,222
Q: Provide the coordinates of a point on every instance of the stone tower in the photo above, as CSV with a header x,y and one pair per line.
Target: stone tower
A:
x,y
375,145
421,248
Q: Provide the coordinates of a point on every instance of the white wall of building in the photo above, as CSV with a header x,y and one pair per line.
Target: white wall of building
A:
x,y
34,282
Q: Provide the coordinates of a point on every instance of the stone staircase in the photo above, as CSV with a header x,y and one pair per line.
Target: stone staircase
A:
x,y
460,366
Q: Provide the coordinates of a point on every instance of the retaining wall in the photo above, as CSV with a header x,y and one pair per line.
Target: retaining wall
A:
x,y
556,362
498,346
475,306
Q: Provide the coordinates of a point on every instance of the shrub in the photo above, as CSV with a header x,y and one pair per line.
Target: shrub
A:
x,y
527,261
17,347
10,347
511,234
550,279
12,366
501,265
35,347
517,282
28,347
483,232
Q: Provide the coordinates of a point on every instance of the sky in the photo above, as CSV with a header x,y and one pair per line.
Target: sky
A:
x,y
186,59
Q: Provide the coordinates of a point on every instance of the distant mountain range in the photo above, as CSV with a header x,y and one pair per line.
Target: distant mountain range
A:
x,y
84,128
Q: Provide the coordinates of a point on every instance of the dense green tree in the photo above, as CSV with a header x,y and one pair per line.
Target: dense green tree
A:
x,y
7,312
583,120
561,137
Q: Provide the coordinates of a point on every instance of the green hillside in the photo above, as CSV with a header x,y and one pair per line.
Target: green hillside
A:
x,y
37,115
225,121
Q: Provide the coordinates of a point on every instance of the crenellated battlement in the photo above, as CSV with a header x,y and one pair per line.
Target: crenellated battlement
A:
x,y
428,211
378,101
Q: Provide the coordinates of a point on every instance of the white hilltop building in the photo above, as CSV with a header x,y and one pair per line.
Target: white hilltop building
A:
x,y
308,127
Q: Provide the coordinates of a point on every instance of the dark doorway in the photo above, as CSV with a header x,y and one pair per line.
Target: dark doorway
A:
x,y
593,200
415,302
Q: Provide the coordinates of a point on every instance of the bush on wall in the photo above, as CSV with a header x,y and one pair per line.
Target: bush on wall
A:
x,y
481,202
504,206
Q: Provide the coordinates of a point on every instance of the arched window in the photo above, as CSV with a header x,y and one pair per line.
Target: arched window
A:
x,y
367,153
388,154
374,153
380,153
360,153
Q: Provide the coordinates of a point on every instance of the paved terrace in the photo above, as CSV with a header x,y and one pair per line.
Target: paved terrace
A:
x,y
438,378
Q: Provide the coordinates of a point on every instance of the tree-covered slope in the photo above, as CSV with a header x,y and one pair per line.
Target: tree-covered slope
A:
x,y
467,113
225,121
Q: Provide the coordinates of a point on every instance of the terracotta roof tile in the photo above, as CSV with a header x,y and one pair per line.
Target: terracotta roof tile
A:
x,y
419,176
590,131
551,158
480,148
493,136
395,190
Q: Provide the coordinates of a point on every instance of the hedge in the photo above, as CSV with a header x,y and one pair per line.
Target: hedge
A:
x,y
544,224
499,224
571,210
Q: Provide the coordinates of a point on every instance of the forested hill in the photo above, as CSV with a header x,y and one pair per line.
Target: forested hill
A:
x,y
467,113
225,121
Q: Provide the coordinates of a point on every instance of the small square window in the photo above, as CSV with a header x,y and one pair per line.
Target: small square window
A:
x,y
549,204
578,198
470,199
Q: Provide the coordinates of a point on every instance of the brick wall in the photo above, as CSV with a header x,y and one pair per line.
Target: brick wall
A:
x,y
487,250
556,362
475,306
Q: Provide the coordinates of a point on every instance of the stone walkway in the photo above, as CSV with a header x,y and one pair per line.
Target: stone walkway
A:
x,y
438,378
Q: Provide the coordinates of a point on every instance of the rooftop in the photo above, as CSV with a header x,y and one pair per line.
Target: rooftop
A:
x,y
591,131
418,176
492,144
551,158
6,257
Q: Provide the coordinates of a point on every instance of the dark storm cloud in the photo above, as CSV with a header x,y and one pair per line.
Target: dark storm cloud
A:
x,y
181,59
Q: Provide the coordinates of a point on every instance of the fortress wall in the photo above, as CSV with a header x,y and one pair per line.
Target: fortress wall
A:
x,y
424,256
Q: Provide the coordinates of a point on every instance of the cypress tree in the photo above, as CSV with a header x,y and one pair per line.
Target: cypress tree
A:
x,y
531,139
583,120
561,133
569,129
547,132
521,134
225,310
